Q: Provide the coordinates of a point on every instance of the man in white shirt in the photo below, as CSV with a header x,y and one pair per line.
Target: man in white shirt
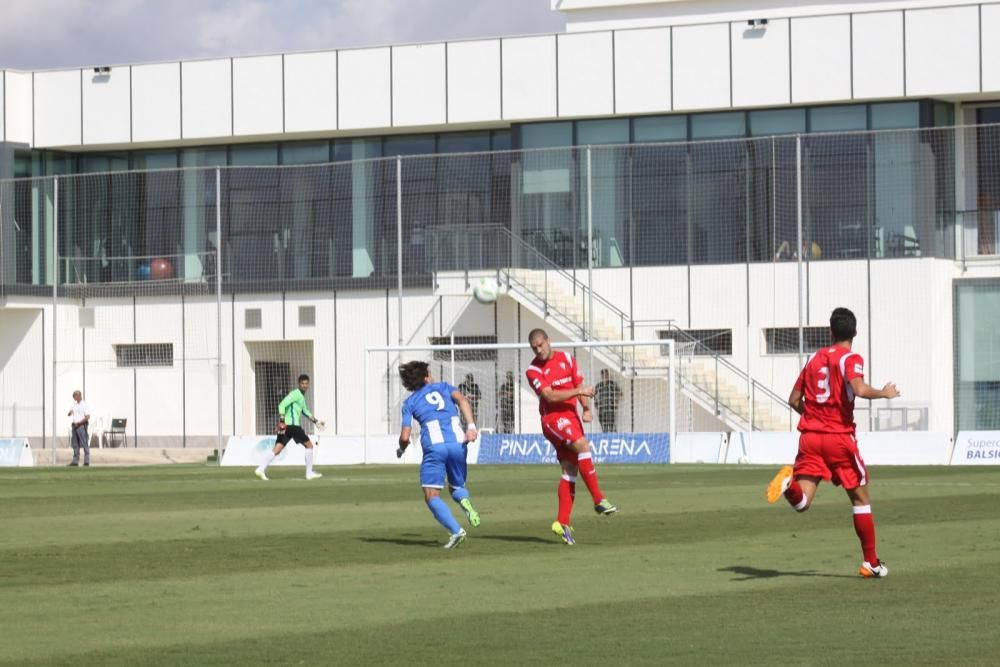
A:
x,y
80,412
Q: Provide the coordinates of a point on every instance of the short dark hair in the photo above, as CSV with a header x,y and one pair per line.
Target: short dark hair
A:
x,y
843,325
303,377
537,333
414,374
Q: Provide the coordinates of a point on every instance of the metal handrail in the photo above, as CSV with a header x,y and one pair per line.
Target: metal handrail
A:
x,y
545,264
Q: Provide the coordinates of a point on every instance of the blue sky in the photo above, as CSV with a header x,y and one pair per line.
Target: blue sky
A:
x,y
48,34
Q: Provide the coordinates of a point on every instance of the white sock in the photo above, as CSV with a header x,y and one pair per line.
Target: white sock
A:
x,y
309,460
267,461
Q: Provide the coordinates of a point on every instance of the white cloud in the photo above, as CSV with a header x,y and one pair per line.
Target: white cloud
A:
x,y
41,34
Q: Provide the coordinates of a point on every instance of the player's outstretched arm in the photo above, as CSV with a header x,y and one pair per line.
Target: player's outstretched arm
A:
x,y
864,390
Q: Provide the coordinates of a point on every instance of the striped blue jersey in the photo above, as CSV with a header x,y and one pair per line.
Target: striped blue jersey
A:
x,y
433,406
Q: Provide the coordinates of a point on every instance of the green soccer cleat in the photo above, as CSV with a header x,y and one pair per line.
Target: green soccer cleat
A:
x,y
605,507
564,532
470,512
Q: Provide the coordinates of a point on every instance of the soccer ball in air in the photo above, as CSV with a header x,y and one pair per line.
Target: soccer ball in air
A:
x,y
486,291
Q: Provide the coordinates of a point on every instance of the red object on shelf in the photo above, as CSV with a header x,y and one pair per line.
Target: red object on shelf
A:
x,y
161,269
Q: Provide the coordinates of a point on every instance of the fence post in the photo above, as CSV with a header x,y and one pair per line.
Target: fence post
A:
x,y
589,321
673,393
399,245
218,312
798,226
55,306
364,406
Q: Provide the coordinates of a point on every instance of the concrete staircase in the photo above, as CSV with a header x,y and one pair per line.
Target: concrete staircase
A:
x,y
710,381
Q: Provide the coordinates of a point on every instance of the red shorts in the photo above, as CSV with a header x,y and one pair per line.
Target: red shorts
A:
x,y
562,429
833,457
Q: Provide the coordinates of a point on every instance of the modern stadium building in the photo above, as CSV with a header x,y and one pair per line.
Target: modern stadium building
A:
x,y
716,173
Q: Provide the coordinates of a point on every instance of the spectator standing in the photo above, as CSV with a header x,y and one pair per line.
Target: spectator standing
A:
x,y
472,392
79,437
607,396
506,400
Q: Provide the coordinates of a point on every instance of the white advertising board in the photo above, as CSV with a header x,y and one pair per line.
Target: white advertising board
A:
x,y
976,448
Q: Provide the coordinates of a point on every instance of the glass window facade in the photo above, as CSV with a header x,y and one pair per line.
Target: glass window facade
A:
x,y
718,125
669,189
977,351
777,121
651,129
847,118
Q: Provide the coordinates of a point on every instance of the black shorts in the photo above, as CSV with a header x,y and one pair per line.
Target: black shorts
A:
x,y
293,433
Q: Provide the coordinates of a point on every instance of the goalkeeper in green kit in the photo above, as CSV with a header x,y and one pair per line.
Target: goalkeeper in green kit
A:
x,y
290,412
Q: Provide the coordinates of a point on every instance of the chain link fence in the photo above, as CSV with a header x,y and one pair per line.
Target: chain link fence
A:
x,y
185,300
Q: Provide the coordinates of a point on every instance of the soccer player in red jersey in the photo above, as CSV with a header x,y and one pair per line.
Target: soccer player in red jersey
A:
x,y
828,450
556,380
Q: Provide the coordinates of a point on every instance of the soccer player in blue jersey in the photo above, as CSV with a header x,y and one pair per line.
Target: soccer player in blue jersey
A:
x,y
436,406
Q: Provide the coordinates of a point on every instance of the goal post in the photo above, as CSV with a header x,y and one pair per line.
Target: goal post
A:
x,y
635,380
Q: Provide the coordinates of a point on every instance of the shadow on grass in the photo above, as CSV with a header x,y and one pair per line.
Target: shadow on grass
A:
x,y
402,542
751,573
515,538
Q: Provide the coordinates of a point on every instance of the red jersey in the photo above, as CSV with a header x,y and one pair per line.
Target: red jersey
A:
x,y
825,382
559,372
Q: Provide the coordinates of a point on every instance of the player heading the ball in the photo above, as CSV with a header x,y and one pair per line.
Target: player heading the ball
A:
x,y
556,380
435,405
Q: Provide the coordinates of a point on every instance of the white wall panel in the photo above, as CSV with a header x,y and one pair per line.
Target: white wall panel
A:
x,y
17,107
57,108
474,81
156,102
701,66
107,106
364,96
878,54
3,96
821,59
257,92
529,77
206,99
760,64
586,74
991,48
311,91
942,50
418,85
642,70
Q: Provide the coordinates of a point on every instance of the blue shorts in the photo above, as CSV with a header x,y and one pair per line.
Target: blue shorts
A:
x,y
447,459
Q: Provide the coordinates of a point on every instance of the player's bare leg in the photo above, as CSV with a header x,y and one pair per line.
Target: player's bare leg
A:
x,y
798,491
585,464
310,474
864,527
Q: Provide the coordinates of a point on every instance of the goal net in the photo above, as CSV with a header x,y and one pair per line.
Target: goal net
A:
x,y
635,389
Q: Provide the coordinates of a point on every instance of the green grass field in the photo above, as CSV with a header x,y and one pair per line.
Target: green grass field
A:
x,y
206,566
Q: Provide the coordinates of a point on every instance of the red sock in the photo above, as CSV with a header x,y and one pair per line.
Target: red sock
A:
x,y
586,465
864,526
567,492
794,495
